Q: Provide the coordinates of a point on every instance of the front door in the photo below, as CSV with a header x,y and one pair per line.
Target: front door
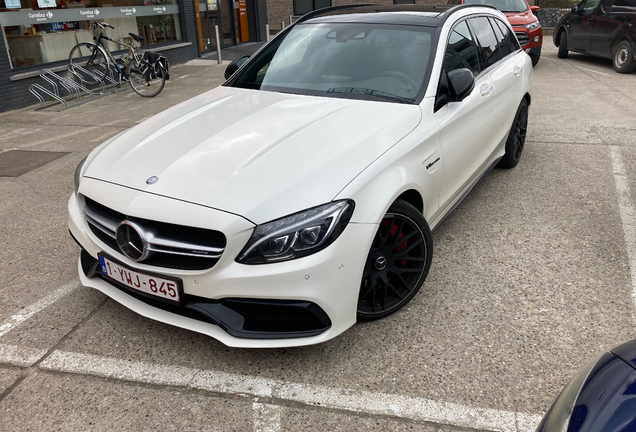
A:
x,y
466,137
581,26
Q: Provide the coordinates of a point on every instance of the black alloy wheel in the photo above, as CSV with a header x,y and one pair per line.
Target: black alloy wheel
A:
x,y
397,264
516,137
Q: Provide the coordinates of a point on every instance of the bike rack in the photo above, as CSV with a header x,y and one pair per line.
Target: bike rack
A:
x,y
75,91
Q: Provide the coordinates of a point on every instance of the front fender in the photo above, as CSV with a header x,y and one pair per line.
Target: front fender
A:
x,y
414,163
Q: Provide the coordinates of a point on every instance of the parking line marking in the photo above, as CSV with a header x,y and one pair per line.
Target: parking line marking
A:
x,y
327,397
266,417
36,307
628,214
20,356
118,369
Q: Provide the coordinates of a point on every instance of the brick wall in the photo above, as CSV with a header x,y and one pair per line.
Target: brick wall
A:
x,y
15,94
278,11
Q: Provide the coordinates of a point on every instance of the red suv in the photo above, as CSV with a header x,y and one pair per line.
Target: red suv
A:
x,y
523,21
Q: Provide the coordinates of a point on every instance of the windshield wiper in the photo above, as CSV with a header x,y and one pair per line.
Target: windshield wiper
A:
x,y
370,92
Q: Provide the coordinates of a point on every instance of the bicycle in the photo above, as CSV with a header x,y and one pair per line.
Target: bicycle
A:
x,y
96,59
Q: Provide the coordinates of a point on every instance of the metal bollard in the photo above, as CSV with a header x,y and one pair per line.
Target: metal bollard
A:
x,y
282,26
291,19
267,32
218,44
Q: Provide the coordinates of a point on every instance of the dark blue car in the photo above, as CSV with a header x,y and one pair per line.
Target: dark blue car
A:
x,y
600,398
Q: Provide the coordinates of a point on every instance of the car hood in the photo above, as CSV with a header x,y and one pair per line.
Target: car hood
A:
x,y
261,155
517,19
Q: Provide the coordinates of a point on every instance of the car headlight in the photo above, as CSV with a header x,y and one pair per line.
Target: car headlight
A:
x,y
297,235
533,25
78,173
558,417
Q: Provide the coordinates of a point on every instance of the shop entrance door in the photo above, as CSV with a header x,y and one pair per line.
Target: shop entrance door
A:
x,y
211,13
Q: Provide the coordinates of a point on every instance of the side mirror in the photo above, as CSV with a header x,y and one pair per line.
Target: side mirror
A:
x,y
535,9
575,9
460,82
235,65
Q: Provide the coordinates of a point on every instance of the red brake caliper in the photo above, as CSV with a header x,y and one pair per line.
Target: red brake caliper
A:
x,y
393,230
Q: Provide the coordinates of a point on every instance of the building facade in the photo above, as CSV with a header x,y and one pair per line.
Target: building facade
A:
x,y
38,34
281,11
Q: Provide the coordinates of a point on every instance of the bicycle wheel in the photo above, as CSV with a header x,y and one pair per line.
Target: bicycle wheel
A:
x,y
143,86
89,61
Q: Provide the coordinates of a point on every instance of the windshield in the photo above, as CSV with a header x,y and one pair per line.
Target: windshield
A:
x,y
503,5
359,61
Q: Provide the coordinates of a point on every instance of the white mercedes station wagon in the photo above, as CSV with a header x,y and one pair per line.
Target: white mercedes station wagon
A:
x,y
299,197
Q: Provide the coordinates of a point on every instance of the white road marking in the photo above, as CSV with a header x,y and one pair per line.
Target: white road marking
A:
x,y
589,70
328,397
628,214
184,76
20,356
36,307
118,369
266,417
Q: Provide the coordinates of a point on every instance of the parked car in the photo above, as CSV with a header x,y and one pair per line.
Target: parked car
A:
x,y
601,28
300,196
521,17
601,397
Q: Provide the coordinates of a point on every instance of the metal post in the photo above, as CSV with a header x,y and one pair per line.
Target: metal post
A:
x,y
282,26
218,44
291,19
267,31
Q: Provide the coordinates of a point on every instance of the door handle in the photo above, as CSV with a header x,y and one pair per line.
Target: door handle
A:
x,y
485,89
517,70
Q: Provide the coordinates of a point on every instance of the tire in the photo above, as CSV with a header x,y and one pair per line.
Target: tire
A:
x,y
142,86
516,138
563,45
623,59
88,57
397,264
535,59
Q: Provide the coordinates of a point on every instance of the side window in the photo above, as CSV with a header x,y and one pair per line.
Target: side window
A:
x,y
589,6
461,51
487,42
501,41
513,43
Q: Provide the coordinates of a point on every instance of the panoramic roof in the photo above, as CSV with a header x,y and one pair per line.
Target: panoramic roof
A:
x,y
420,15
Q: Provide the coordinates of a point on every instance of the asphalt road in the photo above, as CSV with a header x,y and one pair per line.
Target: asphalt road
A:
x,y
530,279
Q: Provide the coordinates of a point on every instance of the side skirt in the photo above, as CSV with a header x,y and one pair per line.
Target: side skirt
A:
x,y
465,194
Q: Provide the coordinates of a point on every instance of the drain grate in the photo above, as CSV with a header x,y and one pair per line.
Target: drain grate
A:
x,y
14,163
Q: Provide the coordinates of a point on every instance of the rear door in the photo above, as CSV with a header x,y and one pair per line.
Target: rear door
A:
x,y
507,76
466,126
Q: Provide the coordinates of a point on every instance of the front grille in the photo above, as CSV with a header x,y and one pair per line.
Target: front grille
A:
x,y
524,38
172,246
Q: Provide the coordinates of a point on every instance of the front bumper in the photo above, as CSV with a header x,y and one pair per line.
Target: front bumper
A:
x,y
527,37
329,279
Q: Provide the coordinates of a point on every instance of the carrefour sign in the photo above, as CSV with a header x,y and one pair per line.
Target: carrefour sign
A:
x,y
30,17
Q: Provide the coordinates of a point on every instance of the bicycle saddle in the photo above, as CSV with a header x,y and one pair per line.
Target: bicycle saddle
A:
x,y
135,37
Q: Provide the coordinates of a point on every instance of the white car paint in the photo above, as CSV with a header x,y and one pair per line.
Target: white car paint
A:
x,y
233,158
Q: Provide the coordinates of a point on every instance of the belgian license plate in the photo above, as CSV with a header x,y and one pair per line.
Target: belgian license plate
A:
x,y
156,286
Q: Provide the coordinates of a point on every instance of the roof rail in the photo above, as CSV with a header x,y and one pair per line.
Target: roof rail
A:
x,y
456,8
450,9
